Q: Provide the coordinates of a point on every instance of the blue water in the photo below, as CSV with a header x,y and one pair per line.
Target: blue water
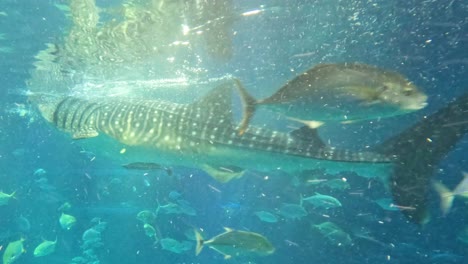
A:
x,y
427,41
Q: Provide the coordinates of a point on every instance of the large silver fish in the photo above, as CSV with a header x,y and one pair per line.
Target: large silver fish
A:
x,y
202,135
342,92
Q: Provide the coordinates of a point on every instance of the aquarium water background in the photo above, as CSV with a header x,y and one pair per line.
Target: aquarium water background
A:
x,y
270,43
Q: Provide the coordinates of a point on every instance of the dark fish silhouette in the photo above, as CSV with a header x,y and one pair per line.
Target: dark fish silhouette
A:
x,y
419,150
147,166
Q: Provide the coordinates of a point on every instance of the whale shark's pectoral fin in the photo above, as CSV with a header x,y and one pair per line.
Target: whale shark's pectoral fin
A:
x,y
223,174
85,133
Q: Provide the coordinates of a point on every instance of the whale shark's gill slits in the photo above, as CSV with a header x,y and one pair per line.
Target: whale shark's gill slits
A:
x,y
85,119
57,116
90,115
77,115
66,110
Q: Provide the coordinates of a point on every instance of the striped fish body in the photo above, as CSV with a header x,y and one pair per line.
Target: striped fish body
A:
x,y
200,133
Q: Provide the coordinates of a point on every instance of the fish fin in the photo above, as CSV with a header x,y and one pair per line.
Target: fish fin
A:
x,y
347,122
220,175
462,187
248,106
226,255
416,157
309,135
156,212
168,170
227,229
85,133
313,124
215,104
200,241
446,197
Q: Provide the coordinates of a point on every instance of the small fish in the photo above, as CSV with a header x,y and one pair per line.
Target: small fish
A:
x,y
292,211
67,221
266,216
146,216
5,198
342,92
45,248
181,207
333,233
316,181
447,196
91,234
174,195
13,251
234,243
147,166
39,172
150,231
322,201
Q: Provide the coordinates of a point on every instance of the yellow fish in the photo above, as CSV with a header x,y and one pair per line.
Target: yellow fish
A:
x,y
13,251
67,221
236,243
5,198
45,248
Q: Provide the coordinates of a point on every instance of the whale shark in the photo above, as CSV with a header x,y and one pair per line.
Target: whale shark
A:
x,y
203,135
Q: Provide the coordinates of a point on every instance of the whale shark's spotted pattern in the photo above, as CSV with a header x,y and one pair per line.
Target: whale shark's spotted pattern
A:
x,y
193,128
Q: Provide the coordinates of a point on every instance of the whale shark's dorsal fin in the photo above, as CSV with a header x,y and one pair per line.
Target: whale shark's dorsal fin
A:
x,y
216,104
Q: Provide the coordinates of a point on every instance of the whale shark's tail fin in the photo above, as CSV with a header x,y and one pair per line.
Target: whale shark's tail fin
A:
x,y
418,150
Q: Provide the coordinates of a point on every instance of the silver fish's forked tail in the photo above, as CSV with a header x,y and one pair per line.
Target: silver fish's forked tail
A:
x,y
249,105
